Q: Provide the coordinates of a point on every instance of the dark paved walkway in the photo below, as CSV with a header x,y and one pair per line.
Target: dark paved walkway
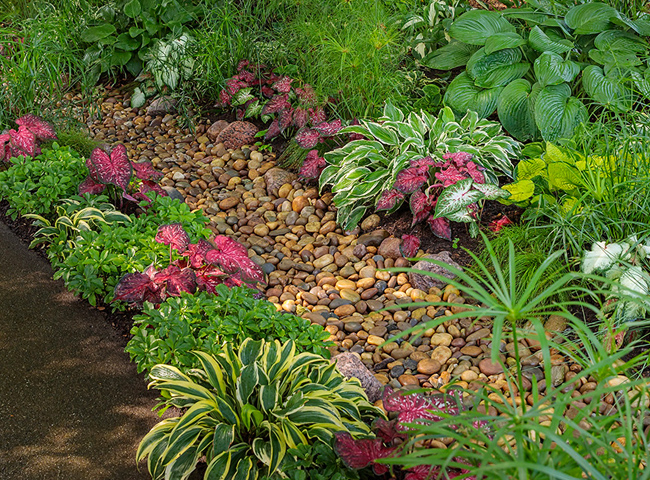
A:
x,y
71,405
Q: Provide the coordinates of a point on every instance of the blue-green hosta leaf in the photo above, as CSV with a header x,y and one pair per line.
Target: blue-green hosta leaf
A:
x,y
456,197
590,18
557,113
552,69
501,41
606,90
497,69
476,26
543,42
93,34
531,16
516,109
620,40
462,95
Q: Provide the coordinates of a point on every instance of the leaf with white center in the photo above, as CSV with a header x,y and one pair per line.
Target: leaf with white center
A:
x,y
601,257
455,197
491,191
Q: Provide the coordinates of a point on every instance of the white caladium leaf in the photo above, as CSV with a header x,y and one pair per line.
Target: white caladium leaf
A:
x,y
634,281
461,216
456,197
601,257
491,191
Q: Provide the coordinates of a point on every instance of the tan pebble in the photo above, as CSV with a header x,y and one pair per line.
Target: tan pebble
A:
x,y
469,376
299,203
365,283
374,340
385,276
367,272
342,284
389,347
283,191
408,380
261,230
400,316
350,295
383,379
449,289
471,350
228,203
323,261
443,339
344,310
441,354
429,366
417,295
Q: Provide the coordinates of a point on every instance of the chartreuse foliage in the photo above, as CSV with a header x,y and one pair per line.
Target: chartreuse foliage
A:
x,y
246,409
544,74
204,321
361,170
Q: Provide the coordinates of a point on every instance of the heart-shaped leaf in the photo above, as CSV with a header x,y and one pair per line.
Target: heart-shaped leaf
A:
x,y
551,69
40,128
501,41
410,246
463,95
557,113
174,235
545,42
132,287
412,178
177,280
606,90
23,139
89,185
476,26
390,200
455,197
440,227
516,109
307,138
454,54
497,69
99,32
145,171
114,169
589,18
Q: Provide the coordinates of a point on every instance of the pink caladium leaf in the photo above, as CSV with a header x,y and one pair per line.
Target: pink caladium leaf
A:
x,y
306,95
39,127
410,246
422,472
89,185
413,408
173,235
92,170
300,117
177,280
428,161
239,114
115,169
389,200
312,166
317,115
283,85
284,118
307,138
459,158
208,277
440,227
276,104
450,176
145,171
476,172
243,64
268,92
496,225
273,130
148,186
387,431
233,281
234,85
412,178
23,140
419,202
224,99
233,258
247,77
197,251
363,452
132,287
328,129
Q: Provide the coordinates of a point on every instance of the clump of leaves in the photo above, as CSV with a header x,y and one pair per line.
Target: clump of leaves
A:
x,y
116,171
207,264
168,333
24,141
441,192
394,437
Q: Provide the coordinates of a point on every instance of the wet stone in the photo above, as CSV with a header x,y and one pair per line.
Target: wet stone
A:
x,y
397,371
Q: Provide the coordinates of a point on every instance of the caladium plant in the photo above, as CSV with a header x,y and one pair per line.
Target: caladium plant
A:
x,y
395,437
442,191
116,170
24,141
202,266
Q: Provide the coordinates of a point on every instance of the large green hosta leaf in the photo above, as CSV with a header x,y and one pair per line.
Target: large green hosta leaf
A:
x,y
590,18
453,55
462,95
516,109
551,69
642,82
547,42
501,41
557,113
606,89
476,26
496,69
620,40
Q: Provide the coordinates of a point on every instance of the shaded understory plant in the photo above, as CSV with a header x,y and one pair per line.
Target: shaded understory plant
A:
x,y
169,332
24,142
246,409
208,264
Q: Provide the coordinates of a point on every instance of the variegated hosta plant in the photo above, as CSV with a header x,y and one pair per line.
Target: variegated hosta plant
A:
x,y
245,410
361,170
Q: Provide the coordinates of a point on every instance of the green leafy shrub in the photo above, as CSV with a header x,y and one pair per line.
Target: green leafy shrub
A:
x,y
102,257
245,410
36,185
360,171
203,321
535,69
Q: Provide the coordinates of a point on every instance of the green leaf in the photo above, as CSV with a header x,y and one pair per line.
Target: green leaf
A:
x,y
476,26
249,351
247,382
224,435
126,42
606,90
251,417
246,470
455,197
540,41
94,34
642,82
462,95
619,40
520,191
120,58
529,169
132,9
564,177
501,41
497,69
516,109
384,134
392,112
589,18
551,69
557,113
454,54
491,191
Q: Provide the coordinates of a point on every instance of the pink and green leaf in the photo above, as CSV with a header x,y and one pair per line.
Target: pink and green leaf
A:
x,y
174,235
410,246
300,117
307,138
273,130
39,127
312,166
327,129
177,280
457,197
114,169
145,171
412,178
363,452
440,227
276,104
390,200
24,140
132,287
89,185
283,85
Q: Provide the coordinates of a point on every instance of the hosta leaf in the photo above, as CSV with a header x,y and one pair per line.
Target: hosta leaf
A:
x,y
529,169
551,69
173,234
354,217
246,470
542,42
391,112
497,69
384,134
589,18
620,40
642,82
247,382
453,55
456,197
132,9
94,34
557,113
606,90
462,95
476,26
515,108
564,177
249,351
520,191
501,41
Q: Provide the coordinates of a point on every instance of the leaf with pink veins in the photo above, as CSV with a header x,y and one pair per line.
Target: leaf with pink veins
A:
x,y
39,127
173,235
177,280
115,169
132,287
389,200
197,251
145,171
89,185
412,178
24,140
440,227
410,246
307,138
363,452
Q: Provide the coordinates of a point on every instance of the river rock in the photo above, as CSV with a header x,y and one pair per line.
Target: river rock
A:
x,y
373,239
424,282
275,178
390,248
370,223
351,366
237,134
215,129
162,105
